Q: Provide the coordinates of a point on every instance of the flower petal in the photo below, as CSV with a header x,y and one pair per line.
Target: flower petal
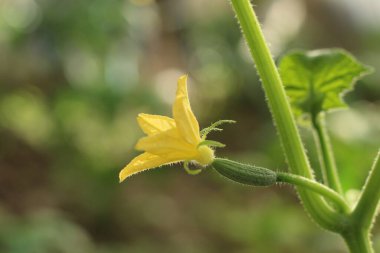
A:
x,y
143,162
168,142
184,117
153,124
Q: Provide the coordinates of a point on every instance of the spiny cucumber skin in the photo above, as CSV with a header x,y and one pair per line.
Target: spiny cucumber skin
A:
x,y
244,173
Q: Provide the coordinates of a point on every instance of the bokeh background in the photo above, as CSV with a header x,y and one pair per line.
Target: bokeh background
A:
x,y
75,73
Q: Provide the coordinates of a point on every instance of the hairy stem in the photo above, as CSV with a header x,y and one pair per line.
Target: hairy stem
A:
x,y
328,165
358,241
366,209
322,213
312,185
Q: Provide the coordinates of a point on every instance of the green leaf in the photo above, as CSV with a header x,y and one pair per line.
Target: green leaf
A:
x,y
211,143
191,171
214,127
315,81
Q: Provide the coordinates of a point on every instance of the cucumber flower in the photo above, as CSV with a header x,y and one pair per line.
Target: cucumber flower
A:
x,y
171,140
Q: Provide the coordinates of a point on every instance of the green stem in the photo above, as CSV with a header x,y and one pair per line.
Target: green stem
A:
x,y
358,241
366,209
322,213
316,187
328,165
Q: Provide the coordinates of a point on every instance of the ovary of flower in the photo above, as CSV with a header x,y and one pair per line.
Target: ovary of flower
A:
x,y
169,140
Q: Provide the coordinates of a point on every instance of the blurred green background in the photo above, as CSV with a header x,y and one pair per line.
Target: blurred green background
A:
x,y
75,73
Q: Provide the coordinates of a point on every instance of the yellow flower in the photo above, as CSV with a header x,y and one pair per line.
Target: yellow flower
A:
x,y
170,140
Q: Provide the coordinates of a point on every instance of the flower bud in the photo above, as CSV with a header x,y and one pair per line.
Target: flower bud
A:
x,y
244,173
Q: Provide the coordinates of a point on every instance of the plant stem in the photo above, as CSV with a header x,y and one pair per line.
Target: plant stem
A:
x,y
322,213
316,187
328,165
358,241
366,209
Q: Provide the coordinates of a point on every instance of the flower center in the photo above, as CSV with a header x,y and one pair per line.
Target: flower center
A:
x,y
205,155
